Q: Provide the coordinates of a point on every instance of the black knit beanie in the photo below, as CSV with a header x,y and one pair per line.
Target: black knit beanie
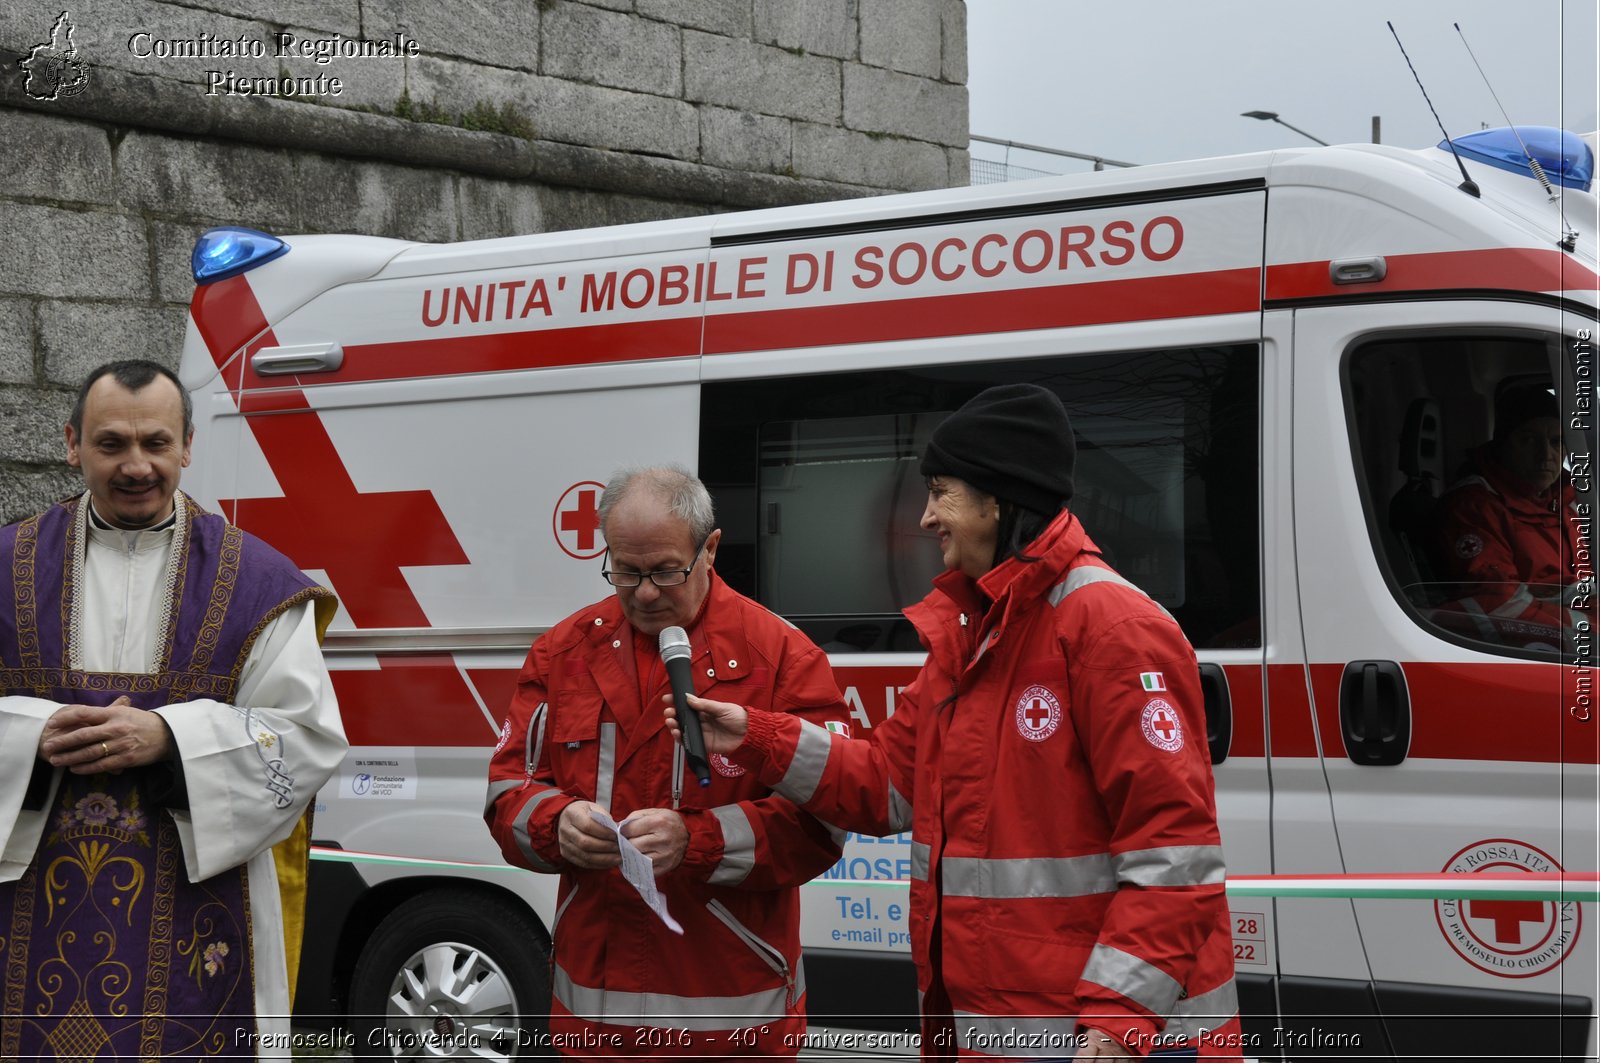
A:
x,y
1014,442
1520,403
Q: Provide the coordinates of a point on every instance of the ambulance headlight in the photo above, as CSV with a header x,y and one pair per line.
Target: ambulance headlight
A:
x,y
1565,159
231,250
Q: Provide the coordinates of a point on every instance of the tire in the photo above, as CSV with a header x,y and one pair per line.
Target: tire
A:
x,y
452,974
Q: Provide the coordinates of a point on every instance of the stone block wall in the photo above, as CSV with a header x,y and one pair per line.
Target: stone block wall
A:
x,y
488,118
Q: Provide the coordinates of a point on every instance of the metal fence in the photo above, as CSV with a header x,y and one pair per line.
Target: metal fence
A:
x,y
996,171
989,172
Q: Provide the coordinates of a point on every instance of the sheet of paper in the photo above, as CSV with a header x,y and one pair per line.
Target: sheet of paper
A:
x,y
637,871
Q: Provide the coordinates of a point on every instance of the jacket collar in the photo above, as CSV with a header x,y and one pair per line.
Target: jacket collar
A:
x,y
1016,580
719,648
1009,586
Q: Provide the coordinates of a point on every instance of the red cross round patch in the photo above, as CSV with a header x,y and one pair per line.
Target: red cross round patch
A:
x,y
505,735
723,766
1161,725
1468,546
1038,714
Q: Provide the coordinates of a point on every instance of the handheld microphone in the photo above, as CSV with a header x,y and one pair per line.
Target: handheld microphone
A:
x,y
675,655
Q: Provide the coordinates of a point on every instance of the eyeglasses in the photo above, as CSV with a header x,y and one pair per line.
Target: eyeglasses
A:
x,y
669,577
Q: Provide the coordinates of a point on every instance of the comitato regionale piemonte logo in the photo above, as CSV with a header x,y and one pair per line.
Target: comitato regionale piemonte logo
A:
x,y
54,70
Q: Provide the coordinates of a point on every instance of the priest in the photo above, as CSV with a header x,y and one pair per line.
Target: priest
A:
x,y
165,718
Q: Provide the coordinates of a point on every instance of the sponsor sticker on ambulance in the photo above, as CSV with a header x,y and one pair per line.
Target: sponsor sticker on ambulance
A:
x,y
1161,725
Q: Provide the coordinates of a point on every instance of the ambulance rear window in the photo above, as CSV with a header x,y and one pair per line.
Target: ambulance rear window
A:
x,y
819,492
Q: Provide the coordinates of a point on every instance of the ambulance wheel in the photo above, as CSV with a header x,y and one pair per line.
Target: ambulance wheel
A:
x,y
452,974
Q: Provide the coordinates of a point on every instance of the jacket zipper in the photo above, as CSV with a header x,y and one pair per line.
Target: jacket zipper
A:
x,y
533,747
678,762
771,956
555,920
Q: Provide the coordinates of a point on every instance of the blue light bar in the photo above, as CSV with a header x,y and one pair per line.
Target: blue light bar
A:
x,y
230,250
1565,159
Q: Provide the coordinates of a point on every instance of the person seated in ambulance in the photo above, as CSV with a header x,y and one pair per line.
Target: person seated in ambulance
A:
x,y
1507,533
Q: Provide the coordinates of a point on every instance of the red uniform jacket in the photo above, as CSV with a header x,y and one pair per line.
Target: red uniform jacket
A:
x,y
578,729
1051,758
1510,556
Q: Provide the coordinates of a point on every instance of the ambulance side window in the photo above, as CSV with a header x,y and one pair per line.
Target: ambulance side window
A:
x,y
819,494
1472,545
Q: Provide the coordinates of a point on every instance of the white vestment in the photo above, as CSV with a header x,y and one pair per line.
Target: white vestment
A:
x,y
284,701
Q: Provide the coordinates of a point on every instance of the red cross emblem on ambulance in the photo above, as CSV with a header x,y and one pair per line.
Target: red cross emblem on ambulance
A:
x,y
1509,937
1038,714
576,521
1161,725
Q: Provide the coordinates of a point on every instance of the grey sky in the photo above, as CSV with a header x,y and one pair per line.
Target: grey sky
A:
x,y
1157,80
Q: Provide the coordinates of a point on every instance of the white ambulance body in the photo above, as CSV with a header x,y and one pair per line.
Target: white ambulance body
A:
x,y
1275,364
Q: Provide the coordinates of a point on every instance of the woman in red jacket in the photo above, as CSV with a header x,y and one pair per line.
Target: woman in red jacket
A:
x,y
1050,759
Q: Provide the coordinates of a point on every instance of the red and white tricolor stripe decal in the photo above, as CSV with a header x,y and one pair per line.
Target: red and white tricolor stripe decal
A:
x,y
1566,886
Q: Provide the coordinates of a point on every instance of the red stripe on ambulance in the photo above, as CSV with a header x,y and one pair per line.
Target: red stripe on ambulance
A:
x,y
1517,269
971,313
503,352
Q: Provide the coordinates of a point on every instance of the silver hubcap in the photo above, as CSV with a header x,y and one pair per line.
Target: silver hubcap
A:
x,y
450,1001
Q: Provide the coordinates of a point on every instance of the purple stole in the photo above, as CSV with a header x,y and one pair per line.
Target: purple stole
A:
x,y
108,950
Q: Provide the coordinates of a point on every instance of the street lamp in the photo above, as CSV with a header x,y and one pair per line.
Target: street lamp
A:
x,y
1272,116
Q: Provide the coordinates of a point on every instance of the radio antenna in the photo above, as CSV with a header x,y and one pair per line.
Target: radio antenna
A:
x,y
1569,237
1467,185
1533,163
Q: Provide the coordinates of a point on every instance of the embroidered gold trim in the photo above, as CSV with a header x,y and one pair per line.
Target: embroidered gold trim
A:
x,y
227,578
306,595
219,687
17,965
22,564
250,930
168,859
223,585
72,581
172,593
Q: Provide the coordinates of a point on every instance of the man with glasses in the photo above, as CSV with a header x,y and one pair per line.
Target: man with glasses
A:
x,y
585,737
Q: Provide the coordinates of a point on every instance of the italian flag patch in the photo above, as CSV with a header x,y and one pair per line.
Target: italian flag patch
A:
x,y
838,728
1152,681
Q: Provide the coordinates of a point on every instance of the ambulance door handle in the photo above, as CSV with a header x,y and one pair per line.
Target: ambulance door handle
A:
x,y
1375,713
302,358
1219,710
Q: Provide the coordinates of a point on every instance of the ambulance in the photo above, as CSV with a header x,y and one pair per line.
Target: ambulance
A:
x,y
1276,365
